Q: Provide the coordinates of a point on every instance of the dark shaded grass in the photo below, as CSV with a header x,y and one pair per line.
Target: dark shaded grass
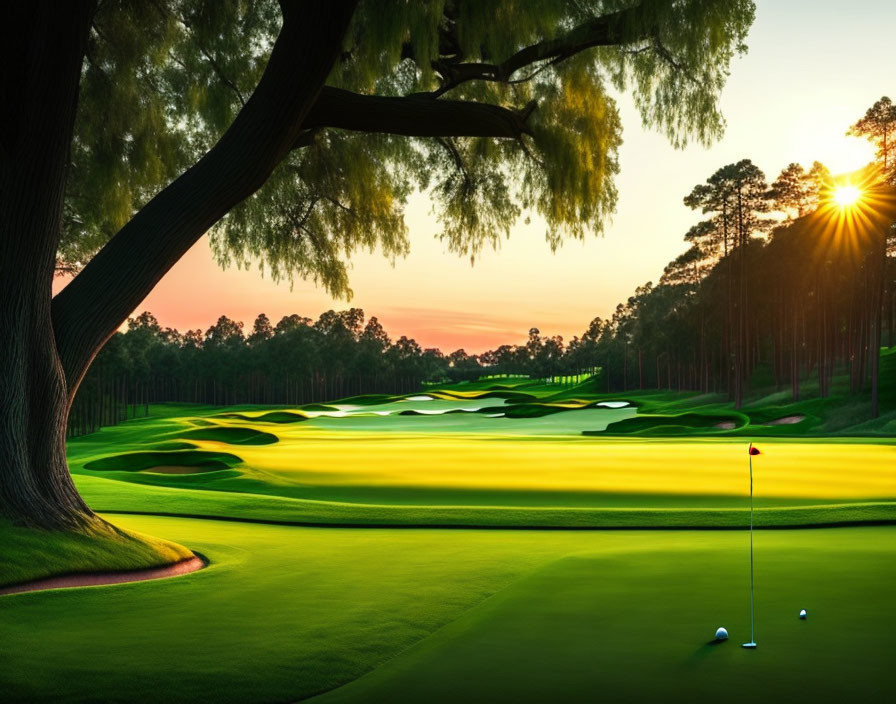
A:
x,y
230,435
140,461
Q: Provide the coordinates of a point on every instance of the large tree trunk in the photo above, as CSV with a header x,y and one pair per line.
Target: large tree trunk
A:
x,y
47,345
43,61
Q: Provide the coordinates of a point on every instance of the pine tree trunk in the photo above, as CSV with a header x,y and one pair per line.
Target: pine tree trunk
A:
x,y
877,299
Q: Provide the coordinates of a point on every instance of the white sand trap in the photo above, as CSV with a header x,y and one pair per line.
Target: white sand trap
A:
x,y
786,420
326,414
613,404
419,398
443,411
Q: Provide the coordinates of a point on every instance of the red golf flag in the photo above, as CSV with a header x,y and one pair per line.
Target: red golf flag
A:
x,y
754,450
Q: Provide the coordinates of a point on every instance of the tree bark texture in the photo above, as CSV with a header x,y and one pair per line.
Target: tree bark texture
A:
x,y
43,64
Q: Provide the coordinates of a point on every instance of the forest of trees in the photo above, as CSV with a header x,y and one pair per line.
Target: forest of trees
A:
x,y
756,300
780,283
294,361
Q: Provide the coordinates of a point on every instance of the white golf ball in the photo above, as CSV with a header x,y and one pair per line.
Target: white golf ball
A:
x,y
803,614
721,634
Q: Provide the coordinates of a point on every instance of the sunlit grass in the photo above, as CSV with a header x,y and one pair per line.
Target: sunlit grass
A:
x,y
817,470
381,460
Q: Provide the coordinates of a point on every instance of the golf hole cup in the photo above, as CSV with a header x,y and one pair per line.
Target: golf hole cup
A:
x,y
721,634
802,615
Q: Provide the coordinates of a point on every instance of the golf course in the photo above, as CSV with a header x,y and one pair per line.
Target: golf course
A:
x,y
433,547
447,352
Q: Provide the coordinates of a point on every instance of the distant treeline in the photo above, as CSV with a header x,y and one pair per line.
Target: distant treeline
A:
x,y
294,362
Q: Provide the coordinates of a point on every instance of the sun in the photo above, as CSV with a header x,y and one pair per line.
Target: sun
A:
x,y
845,196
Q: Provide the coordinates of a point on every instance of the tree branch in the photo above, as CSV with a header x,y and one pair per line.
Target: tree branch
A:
x,y
614,29
414,116
89,310
422,115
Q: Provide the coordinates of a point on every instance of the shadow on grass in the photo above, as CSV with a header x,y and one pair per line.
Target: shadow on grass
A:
x,y
705,649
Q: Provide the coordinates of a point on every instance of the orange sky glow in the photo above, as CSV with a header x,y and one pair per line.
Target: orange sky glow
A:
x,y
807,77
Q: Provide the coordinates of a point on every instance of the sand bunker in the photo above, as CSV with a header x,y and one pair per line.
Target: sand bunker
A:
x,y
92,579
786,420
726,425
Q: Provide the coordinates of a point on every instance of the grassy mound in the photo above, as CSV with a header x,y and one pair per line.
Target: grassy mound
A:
x,y
678,424
530,410
509,396
320,407
30,554
199,460
231,436
171,446
272,417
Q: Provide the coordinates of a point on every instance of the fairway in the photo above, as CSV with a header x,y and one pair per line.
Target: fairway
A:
x,y
459,458
285,613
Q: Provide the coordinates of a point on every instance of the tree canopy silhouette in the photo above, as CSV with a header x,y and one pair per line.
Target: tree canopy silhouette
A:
x,y
295,133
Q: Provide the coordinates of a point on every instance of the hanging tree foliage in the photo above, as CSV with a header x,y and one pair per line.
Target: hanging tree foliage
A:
x,y
163,80
295,132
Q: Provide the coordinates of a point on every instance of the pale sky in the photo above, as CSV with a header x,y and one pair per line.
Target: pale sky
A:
x,y
813,68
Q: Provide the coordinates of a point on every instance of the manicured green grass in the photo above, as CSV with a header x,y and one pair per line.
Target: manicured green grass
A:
x,y
676,424
27,554
298,603
142,461
124,497
458,469
284,613
271,417
689,413
231,436
637,626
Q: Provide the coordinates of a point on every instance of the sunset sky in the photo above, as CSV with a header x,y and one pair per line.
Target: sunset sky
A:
x,y
807,77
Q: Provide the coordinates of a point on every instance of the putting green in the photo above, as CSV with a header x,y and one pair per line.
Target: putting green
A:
x,y
284,613
627,627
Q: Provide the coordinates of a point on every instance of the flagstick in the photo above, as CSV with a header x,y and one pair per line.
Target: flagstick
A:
x,y
752,643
